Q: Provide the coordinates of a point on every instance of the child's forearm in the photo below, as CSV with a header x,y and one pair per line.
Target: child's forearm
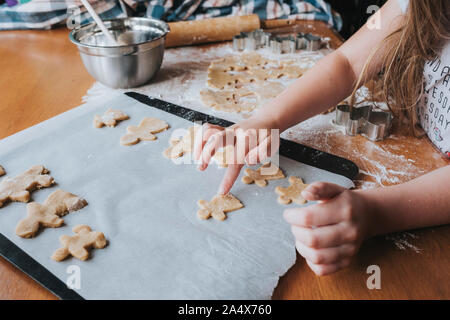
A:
x,y
422,202
333,78
322,87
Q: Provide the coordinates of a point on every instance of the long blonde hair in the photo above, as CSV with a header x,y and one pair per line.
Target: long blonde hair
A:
x,y
405,52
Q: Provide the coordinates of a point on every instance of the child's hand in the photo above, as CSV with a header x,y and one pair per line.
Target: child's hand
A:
x,y
253,142
329,234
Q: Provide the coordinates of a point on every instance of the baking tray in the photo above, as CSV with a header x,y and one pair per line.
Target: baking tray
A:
x,y
297,152
290,149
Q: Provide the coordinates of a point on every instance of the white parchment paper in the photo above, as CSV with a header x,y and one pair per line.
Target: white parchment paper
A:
x,y
146,206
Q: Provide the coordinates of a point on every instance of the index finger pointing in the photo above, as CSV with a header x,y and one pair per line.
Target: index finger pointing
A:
x,y
230,177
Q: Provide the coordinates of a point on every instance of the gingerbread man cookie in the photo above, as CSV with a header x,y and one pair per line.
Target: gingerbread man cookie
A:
x,y
109,118
260,176
218,206
19,188
143,132
293,192
179,147
79,244
48,214
2,171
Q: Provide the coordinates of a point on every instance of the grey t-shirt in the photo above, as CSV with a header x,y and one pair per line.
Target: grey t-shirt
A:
x,y
434,105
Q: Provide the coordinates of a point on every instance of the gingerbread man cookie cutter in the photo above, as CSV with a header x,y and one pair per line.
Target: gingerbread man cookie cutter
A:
x,y
374,125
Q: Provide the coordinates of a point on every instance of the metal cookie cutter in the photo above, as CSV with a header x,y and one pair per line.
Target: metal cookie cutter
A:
x,y
275,45
251,40
314,42
374,125
288,44
301,43
239,42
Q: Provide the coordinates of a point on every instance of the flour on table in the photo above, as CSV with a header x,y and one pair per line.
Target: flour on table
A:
x,y
402,241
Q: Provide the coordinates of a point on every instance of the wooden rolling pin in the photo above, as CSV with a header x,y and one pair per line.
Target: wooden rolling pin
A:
x,y
210,30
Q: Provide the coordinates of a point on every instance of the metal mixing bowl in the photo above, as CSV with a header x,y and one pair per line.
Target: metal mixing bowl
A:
x,y
134,62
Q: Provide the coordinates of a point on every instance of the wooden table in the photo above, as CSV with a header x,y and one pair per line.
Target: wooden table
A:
x,y
42,76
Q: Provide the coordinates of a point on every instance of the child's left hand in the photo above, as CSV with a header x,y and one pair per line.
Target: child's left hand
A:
x,y
329,234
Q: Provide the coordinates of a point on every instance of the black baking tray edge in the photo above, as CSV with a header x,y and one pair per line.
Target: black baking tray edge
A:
x,y
35,270
289,149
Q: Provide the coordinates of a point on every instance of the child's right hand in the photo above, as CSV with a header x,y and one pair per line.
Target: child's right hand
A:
x,y
253,140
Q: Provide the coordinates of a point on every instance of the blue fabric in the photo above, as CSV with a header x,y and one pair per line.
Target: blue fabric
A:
x,y
42,14
266,9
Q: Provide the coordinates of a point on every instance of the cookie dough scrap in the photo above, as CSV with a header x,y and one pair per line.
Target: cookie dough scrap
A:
x,y
222,79
48,214
79,244
109,118
261,175
239,62
293,192
2,171
180,147
218,207
229,63
292,71
19,188
228,100
253,59
144,131
262,74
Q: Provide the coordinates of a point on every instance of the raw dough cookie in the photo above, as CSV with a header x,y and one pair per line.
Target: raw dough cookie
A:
x,y
79,244
218,206
143,132
2,171
289,71
259,178
179,147
48,214
109,118
19,188
293,192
